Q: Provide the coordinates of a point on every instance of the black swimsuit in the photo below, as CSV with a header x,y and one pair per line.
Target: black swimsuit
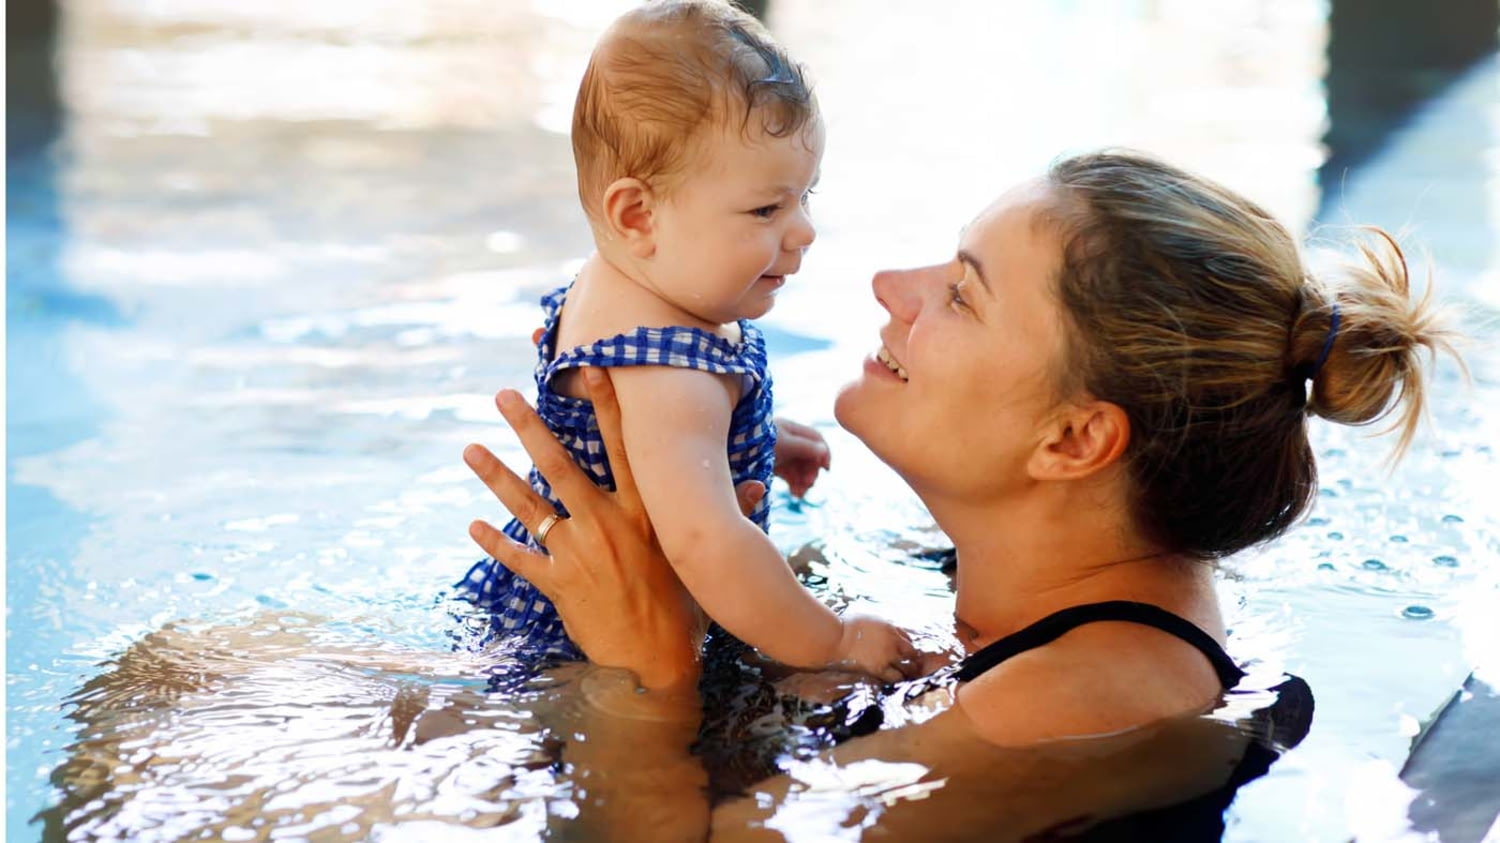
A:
x,y
1282,725
1286,721
1057,624
742,749
864,710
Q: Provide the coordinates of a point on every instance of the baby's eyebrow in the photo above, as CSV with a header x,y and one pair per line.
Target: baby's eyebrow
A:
x,y
789,189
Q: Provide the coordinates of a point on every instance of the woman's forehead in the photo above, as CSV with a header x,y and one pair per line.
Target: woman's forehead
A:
x,y
1020,200
1008,229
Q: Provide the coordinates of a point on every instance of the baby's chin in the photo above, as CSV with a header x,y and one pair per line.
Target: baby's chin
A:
x,y
757,309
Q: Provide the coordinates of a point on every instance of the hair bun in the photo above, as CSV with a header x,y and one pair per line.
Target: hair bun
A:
x,y
1373,333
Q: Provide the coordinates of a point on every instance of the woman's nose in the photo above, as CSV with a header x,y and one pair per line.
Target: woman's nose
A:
x,y
901,291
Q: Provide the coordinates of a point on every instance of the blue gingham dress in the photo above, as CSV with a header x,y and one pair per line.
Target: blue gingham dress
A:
x,y
518,613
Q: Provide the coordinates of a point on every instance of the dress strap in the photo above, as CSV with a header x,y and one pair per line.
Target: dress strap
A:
x,y
1055,625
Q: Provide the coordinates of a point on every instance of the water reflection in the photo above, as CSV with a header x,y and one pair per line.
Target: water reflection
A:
x,y
328,224
282,727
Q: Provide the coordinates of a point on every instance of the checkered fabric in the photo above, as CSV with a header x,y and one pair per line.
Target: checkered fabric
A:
x,y
519,613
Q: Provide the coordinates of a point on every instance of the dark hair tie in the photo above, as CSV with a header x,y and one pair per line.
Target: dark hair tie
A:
x,y
1305,372
1333,333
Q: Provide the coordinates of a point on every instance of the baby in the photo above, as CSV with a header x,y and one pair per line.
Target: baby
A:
x,y
697,142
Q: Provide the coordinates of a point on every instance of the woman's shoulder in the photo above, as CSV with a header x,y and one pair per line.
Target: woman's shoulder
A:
x,y
1099,678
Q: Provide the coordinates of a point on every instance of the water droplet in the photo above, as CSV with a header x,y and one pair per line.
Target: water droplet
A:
x,y
202,576
1453,519
1374,565
1326,566
1450,454
1327,492
1445,561
1399,539
1336,536
1317,522
1416,612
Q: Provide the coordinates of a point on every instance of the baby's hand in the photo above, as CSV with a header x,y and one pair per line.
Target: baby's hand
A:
x,y
800,452
877,648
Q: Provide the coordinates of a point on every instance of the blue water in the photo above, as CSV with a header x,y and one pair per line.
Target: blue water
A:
x,y
252,321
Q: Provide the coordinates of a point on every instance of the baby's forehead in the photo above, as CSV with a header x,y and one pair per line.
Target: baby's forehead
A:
x,y
753,151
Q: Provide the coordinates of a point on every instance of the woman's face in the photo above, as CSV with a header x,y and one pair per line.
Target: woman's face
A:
x,y
956,396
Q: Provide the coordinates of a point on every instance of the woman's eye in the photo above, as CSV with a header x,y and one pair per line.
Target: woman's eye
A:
x,y
956,296
765,212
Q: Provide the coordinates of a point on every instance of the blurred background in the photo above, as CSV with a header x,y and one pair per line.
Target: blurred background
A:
x,y
268,262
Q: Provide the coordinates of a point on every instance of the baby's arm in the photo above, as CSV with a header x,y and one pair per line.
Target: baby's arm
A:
x,y
676,425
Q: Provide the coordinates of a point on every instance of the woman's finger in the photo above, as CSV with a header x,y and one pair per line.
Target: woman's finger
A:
x,y
568,481
515,494
534,567
601,391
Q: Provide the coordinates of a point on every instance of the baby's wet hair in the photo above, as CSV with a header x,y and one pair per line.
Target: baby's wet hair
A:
x,y
1192,309
665,73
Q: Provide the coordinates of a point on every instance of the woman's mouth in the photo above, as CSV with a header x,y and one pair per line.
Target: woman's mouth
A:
x,y
890,362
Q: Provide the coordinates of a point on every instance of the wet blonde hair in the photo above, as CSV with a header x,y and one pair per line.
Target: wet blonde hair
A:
x,y
1191,309
663,74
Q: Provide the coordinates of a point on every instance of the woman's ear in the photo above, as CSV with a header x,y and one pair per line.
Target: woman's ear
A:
x,y
1082,440
628,204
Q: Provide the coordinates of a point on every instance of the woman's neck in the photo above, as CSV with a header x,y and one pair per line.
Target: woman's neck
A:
x,y
1024,560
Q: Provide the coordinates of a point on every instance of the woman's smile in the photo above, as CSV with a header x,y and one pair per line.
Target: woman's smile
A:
x,y
889,360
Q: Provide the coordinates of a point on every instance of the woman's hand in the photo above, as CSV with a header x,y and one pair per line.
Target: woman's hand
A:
x,y
801,452
618,597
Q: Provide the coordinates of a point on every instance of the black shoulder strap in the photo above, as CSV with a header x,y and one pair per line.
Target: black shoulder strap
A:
x,y
1053,626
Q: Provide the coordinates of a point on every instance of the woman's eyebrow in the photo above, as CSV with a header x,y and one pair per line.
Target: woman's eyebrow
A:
x,y
973,262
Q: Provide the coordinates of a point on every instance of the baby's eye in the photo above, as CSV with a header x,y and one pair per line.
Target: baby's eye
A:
x,y
807,197
765,212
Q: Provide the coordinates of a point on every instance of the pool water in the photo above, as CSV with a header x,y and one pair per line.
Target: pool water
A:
x,y
263,285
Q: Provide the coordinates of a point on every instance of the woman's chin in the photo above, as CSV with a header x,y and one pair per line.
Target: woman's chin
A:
x,y
849,408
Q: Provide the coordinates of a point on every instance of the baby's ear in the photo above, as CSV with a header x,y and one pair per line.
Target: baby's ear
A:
x,y
627,207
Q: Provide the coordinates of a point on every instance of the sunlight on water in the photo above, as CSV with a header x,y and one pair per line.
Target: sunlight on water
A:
x,y
325,226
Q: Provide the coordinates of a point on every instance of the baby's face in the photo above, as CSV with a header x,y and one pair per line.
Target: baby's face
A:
x,y
736,224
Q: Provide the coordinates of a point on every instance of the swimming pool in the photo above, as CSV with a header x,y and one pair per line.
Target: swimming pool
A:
x,y
261,295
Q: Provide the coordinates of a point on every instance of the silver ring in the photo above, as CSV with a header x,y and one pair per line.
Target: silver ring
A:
x,y
542,529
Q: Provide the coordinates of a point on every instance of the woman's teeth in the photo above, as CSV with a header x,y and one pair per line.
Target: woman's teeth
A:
x,y
885,357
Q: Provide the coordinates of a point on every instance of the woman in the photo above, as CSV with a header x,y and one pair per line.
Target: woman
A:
x,y
1103,391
